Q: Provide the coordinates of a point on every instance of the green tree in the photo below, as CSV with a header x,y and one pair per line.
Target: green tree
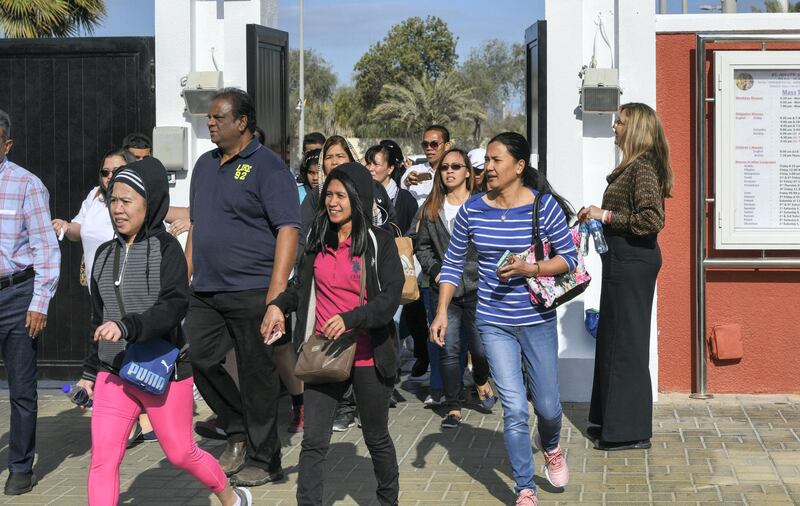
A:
x,y
49,18
406,109
320,85
774,6
411,47
496,73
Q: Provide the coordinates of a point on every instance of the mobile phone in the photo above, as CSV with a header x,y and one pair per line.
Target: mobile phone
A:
x,y
277,334
503,259
424,176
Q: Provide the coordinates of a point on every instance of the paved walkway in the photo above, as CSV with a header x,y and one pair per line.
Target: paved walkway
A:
x,y
732,449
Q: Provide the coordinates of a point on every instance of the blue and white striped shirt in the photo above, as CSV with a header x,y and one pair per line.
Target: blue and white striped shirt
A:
x,y
477,222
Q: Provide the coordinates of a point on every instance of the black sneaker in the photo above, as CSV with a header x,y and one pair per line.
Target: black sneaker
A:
x,y
451,421
344,422
136,437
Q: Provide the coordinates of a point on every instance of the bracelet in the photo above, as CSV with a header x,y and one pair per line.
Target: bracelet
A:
x,y
538,270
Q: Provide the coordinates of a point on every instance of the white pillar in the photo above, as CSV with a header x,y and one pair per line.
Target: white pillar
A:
x,y
580,148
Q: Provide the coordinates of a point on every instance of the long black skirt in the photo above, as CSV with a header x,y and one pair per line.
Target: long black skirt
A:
x,y
622,398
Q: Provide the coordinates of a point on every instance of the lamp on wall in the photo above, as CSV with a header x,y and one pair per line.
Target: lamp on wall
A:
x,y
600,91
198,90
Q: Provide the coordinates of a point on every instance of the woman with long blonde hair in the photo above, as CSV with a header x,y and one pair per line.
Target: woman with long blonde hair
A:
x,y
632,214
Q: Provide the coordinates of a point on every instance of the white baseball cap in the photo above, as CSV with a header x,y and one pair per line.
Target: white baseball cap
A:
x,y
477,157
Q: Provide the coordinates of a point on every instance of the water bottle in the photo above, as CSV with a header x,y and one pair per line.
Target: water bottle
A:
x,y
596,229
583,230
77,395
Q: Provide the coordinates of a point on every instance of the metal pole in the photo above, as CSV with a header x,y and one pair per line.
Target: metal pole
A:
x,y
302,91
729,6
662,6
685,7
700,204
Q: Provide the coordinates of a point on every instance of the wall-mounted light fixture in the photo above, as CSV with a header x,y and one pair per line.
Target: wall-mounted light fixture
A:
x,y
600,91
200,87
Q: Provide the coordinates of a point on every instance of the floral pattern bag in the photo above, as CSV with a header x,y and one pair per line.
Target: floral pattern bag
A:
x,y
552,291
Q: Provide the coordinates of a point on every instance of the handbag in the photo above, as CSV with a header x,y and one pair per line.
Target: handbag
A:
x,y
147,364
322,360
405,248
552,291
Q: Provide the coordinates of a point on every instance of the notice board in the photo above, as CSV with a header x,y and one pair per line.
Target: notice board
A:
x,y
757,137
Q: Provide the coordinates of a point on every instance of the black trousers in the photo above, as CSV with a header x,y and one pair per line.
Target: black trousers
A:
x,y
19,359
250,412
372,393
622,398
417,323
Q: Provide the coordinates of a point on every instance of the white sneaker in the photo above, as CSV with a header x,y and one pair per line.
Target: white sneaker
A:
x,y
244,495
434,400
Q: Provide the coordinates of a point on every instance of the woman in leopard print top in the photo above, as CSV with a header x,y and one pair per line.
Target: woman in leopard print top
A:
x,y
632,214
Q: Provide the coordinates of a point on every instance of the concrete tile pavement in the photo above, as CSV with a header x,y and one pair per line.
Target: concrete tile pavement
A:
x,y
731,449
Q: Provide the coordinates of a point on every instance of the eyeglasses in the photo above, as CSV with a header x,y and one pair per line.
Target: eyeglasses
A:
x,y
455,166
431,144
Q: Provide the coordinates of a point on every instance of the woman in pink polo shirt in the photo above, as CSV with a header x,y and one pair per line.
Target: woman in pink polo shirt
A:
x,y
341,248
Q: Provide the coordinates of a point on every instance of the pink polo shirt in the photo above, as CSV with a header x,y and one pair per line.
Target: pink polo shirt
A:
x,y
337,279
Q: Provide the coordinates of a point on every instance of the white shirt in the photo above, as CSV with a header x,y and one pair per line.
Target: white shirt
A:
x,y
421,190
96,228
450,212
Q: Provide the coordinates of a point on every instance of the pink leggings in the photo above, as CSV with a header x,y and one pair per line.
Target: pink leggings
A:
x,y
117,405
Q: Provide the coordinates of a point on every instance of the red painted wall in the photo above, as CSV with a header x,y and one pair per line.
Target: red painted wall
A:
x,y
764,303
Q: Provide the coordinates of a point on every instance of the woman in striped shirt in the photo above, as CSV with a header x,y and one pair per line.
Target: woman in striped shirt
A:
x,y
512,329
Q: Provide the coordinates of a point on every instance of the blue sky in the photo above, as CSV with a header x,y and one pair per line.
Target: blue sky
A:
x,y
342,30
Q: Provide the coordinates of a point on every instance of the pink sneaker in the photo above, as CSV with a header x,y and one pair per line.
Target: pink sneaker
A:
x,y
527,497
555,465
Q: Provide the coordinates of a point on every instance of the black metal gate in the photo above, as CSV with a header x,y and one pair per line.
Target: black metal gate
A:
x,y
71,100
268,84
536,96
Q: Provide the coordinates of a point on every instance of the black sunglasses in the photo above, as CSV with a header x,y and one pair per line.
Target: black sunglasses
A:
x,y
106,172
432,144
455,166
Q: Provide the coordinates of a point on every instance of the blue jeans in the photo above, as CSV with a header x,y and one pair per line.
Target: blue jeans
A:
x,y
462,334
19,357
434,352
536,348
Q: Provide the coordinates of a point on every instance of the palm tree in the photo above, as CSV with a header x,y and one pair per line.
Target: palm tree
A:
x,y
774,6
49,18
421,102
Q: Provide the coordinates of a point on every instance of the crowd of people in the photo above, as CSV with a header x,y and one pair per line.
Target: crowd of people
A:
x,y
273,258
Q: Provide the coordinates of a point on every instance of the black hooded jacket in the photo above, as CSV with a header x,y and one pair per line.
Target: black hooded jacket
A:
x,y
151,276
384,285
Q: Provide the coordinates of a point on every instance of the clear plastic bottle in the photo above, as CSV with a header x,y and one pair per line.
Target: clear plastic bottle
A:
x,y
77,395
596,228
583,230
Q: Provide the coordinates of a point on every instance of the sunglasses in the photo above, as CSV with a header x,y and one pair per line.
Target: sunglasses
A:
x,y
108,172
431,144
455,166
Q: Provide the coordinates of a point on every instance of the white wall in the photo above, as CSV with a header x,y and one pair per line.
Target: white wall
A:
x,y
580,149
188,33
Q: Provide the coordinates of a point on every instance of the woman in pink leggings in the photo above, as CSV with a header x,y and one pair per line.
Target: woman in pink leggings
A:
x,y
140,292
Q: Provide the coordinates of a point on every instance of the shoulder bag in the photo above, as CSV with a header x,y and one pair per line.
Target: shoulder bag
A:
x,y
322,360
552,291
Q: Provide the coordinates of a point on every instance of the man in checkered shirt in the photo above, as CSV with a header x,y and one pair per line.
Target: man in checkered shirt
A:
x,y
29,267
